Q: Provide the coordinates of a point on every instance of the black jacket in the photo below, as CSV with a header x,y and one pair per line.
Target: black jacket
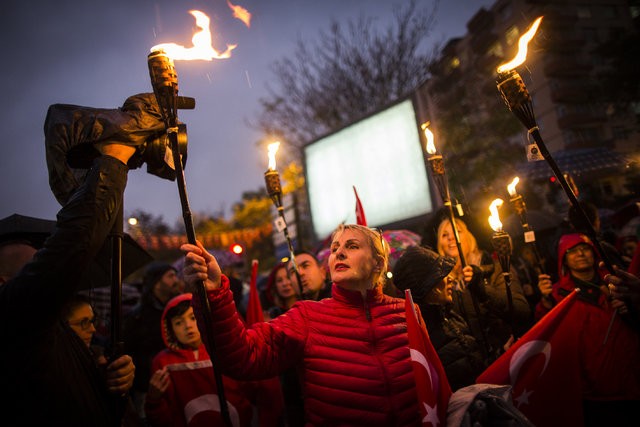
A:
x,y
458,350
48,374
492,323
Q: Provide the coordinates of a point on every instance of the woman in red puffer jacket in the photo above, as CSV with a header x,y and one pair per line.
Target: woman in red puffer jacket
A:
x,y
352,349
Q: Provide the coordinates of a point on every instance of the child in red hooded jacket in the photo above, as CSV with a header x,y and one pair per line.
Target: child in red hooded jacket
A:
x,y
182,389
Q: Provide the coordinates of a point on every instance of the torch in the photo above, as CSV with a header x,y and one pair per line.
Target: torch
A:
x,y
520,208
516,96
274,189
439,175
164,81
502,245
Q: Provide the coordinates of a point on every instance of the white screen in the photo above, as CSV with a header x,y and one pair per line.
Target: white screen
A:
x,y
383,157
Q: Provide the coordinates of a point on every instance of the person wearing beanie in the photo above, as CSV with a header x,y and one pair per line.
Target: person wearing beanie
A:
x,y
141,335
426,274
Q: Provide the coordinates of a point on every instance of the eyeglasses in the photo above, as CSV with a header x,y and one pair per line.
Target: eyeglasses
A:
x,y
581,249
84,323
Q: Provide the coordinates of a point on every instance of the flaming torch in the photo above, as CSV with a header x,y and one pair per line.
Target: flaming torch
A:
x,y
516,96
274,189
164,81
502,245
520,208
439,175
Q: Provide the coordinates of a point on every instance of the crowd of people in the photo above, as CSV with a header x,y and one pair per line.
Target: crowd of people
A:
x,y
335,339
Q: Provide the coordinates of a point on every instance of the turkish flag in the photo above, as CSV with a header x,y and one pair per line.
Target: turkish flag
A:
x,y
432,385
360,218
254,308
543,367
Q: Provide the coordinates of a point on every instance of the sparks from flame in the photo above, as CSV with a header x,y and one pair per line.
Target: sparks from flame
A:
x,y
511,188
494,218
522,47
240,13
272,149
431,147
202,47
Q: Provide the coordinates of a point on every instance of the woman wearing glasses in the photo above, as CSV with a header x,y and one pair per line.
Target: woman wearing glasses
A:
x,y
577,268
81,319
352,348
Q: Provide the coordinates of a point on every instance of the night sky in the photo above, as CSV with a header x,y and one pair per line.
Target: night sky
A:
x,y
94,53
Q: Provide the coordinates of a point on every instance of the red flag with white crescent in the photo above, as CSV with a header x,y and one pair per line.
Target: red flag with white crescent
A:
x,y
254,308
543,367
360,218
432,385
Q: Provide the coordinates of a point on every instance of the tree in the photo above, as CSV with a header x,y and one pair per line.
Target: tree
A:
x,y
254,210
345,75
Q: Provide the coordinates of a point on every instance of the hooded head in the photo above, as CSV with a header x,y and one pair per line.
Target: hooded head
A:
x,y
421,269
175,307
570,241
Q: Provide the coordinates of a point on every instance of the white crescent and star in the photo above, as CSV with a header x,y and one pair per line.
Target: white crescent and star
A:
x,y
520,356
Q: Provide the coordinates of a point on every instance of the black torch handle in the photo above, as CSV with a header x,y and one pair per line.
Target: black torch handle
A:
x,y
292,256
200,287
507,282
456,234
535,133
116,237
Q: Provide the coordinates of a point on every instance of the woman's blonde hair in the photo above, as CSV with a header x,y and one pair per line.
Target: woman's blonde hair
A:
x,y
377,243
470,250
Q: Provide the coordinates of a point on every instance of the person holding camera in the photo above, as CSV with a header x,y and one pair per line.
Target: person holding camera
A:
x,y
47,370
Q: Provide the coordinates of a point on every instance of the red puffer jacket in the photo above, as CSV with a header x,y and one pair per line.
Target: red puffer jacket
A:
x,y
353,355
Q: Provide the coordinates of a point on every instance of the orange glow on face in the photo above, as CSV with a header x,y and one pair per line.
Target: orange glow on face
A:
x,y
202,47
272,149
240,13
494,218
522,48
431,147
511,188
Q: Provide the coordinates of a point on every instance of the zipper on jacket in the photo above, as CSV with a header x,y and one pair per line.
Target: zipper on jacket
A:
x,y
367,311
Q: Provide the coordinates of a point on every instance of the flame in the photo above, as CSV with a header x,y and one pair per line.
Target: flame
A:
x,y
240,13
272,149
431,147
522,47
202,47
511,188
494,218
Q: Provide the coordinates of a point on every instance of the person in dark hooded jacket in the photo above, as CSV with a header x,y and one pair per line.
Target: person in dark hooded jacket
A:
x,y
48,374
427,275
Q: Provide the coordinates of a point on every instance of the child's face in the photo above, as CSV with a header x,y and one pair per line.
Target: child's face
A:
x,y
186,329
